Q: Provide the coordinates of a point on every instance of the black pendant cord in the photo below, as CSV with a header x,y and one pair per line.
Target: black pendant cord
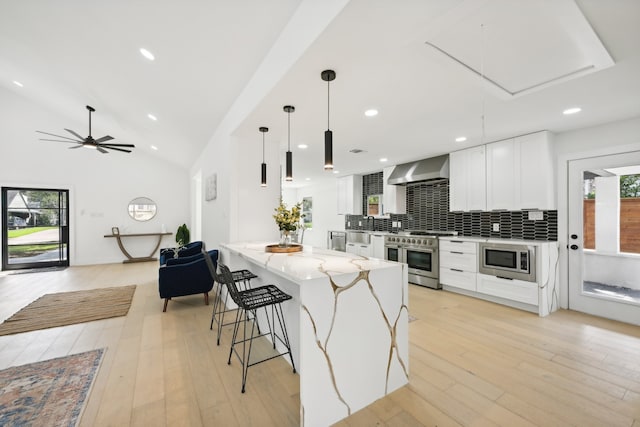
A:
x,y
328,104
262,147
288,131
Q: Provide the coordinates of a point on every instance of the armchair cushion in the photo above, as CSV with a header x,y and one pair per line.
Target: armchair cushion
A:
x,y
188,278
191,249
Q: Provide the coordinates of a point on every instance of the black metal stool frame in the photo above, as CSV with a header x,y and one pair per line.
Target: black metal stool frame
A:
x,y
219,306
249,301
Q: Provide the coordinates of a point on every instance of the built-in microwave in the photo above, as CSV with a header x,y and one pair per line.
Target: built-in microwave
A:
x,y
511,261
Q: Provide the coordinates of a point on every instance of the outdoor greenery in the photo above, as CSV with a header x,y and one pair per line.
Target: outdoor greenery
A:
x,y
629,187
25,231
20,251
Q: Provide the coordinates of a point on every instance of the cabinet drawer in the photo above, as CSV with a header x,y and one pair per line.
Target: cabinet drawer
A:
x,y
458,246
516,290
460,261
459,279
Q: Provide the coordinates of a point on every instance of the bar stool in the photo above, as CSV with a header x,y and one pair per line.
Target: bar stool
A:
x,y
219,307
249,301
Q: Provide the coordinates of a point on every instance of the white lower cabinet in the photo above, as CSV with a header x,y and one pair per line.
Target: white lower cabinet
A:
x,y
511,289
458,263
359,249
377,246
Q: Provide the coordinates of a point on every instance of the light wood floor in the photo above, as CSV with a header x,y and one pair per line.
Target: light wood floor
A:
x,y
471,362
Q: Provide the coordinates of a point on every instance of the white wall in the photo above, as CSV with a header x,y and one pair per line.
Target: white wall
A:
x,y
100,185
243,210
617,137
325,206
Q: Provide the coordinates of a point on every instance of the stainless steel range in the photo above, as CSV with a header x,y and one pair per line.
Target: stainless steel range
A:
x,y
419,250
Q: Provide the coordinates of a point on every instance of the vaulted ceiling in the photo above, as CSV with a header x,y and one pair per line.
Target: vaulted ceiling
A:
x,y
435,70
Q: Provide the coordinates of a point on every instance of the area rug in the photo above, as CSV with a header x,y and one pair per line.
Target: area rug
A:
x,y
67,308
48,393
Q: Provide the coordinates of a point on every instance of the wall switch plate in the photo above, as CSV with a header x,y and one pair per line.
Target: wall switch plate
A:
x,y
348,223
496,226
536,215
359,223
399,224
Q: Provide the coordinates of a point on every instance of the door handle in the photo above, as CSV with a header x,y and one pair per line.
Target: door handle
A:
x,y
574,247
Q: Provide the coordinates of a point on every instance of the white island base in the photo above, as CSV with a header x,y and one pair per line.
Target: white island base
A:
x,y
347,322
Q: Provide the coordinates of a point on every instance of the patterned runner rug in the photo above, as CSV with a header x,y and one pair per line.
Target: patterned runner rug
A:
x,y
67,308
48,393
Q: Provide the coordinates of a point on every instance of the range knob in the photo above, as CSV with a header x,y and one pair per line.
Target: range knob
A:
x,y
404,240
413,240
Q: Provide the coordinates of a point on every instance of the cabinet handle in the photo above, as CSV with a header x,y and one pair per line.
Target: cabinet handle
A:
x,y
504,278
456,241
455,269
459,253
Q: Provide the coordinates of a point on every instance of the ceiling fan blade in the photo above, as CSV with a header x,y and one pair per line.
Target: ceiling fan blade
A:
x,y
119,145
117,149
77,146
57,140
73,133
102,150
103,139
60,136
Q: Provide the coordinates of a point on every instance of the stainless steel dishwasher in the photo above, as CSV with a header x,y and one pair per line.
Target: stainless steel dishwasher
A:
x,y
337,240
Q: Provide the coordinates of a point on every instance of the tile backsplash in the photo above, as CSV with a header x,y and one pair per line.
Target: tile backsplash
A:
x,y
428,209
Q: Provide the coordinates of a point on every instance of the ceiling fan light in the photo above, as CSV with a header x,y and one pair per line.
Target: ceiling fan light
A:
x,y
90,146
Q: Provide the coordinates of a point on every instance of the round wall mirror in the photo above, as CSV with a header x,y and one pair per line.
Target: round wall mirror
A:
x,y
142,209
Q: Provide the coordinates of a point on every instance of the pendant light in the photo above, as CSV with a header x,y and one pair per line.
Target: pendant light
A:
x,y
263,182
328,76
289,159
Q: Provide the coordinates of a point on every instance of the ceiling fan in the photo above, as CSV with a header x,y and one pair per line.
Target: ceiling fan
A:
x,y
88,142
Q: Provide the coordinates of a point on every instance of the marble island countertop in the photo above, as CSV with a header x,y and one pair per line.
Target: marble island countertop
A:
x,y
310,263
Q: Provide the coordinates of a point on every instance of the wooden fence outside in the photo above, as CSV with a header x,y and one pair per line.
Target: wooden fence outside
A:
x,y
629,224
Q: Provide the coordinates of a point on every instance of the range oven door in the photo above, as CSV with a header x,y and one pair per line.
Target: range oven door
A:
x,y
423,266
393,253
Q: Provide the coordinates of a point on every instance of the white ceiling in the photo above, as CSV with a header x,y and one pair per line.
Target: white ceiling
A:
x,y
546,53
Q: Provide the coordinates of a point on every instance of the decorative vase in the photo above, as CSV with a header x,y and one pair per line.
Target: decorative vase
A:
x,y
285,238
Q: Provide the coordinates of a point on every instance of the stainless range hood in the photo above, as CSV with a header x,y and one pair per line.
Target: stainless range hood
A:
x,y
429,170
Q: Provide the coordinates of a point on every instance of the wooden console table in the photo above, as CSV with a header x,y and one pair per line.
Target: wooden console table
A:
x,y
138,259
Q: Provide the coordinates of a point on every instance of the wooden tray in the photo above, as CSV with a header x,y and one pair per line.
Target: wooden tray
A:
x,y
283,249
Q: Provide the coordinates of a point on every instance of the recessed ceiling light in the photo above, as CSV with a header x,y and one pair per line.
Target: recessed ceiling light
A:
x,y
461,139
307,179
572,110
147,54
153,147
152,117
370,113
383,159
336,172
17,83
302,146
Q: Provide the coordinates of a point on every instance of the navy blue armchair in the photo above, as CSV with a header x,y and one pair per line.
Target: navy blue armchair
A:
x,y
186,276
190,249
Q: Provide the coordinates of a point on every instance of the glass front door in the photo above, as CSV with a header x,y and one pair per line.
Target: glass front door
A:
x,y
604,225
35,228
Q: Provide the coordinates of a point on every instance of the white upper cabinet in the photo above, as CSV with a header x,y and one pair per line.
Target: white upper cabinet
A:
x,y
395,196
350,195
537,189
502,175
520,173
467,180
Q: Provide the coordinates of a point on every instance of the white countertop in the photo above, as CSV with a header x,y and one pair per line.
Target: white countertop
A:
x,y
311,263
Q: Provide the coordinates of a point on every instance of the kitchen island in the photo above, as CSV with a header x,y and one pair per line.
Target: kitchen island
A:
x,y
347,321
